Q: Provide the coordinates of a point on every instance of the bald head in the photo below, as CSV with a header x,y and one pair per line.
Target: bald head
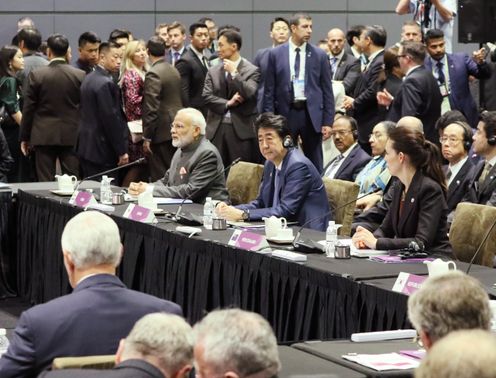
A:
x,y
412,123
336,40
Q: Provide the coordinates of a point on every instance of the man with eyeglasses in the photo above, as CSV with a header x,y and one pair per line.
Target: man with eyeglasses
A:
x,y
196,170
419,95
352,158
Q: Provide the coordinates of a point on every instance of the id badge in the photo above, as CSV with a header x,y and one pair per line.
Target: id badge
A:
x,y
444,90
299,89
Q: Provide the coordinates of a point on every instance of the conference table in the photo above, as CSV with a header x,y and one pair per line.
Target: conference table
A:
x,y
323,298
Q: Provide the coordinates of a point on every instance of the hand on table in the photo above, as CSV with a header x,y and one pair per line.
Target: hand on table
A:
x,y
136,188
363,238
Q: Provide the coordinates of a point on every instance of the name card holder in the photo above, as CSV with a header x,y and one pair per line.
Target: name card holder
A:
x,y
82,199
248,240
407,283
139,214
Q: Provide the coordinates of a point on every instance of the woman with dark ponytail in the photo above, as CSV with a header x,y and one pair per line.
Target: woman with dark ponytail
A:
x,y
418,211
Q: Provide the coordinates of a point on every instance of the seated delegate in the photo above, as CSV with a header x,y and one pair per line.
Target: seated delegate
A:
x,y
291,185
418,209
196,170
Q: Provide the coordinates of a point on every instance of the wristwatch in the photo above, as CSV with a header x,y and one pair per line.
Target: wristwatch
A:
x,y
246,215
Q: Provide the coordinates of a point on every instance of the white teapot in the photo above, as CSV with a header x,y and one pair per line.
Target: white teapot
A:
x,y
439,267
274,225
66,182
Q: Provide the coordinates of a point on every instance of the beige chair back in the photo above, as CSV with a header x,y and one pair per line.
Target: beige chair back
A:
x,y
243,182
470,225
87,362
340,192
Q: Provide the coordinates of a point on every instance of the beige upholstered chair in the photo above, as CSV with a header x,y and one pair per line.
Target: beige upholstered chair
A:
x,y
470,225
86,362
340,192
243,182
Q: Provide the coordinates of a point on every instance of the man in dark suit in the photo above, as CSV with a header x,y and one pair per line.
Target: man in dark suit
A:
x,y
452,73
482,187
161,101
298,86
456,140
419,94
88,43
177,39
51,112
230,94
291,186
345,67
95,316
364,105
279,34
159,346
193,66
103,134
352,158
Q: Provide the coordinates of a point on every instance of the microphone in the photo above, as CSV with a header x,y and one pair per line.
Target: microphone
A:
x,y
139,161
415,250
480,246
192,219
313,247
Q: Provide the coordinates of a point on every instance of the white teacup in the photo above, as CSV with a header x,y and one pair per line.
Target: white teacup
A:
x,y
65,182
274,225
285,234
145,199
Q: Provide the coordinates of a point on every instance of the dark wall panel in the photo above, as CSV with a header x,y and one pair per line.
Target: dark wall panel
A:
x,y
204,6
26,6
8,25
103,5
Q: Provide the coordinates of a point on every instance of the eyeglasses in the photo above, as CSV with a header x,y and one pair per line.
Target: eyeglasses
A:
x,y
375,136
340,133
450,140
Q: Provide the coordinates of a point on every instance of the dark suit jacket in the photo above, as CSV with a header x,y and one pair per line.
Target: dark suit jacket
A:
x,y
484,194
460,67
352,164
423,218
50,116
261,60
217,91
89,321
161,101
103,132
419,97
348,71
193,73
302,194
278,91
365,107
126,369
460,184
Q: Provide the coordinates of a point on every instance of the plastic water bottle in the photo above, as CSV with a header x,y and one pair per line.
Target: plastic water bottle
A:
x,y
331,239
208,212
4,342
106,191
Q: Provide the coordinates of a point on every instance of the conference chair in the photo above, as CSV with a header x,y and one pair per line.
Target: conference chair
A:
x,y
339,194
243,182
470,225
87,362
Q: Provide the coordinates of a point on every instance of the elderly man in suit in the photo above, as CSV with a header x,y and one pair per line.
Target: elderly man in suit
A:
x,y
482,188
159,346
103,134
230,94
345,67
352,158
196,170
419,94
95,316
452,73
298,86
291,185
51,112
161,101
193,66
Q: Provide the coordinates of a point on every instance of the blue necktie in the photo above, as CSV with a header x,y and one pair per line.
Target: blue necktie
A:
x,y
297,63
440,73
277,188
334,62
176,57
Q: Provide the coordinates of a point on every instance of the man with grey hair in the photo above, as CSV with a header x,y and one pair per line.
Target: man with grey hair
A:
x,y
159,346
95,316
234,343
447,303
196,170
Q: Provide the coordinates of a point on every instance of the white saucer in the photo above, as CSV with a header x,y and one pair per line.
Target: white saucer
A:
x,y
158,211
281,240
62,192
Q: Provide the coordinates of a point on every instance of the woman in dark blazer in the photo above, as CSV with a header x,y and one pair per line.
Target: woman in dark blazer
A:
x,y
418,210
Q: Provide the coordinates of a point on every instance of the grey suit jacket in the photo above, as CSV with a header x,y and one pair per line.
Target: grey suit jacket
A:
x,y
196,172
217,91
161,101
50,115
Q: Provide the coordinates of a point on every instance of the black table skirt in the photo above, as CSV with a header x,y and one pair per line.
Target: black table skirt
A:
x,y
301,302
7,245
